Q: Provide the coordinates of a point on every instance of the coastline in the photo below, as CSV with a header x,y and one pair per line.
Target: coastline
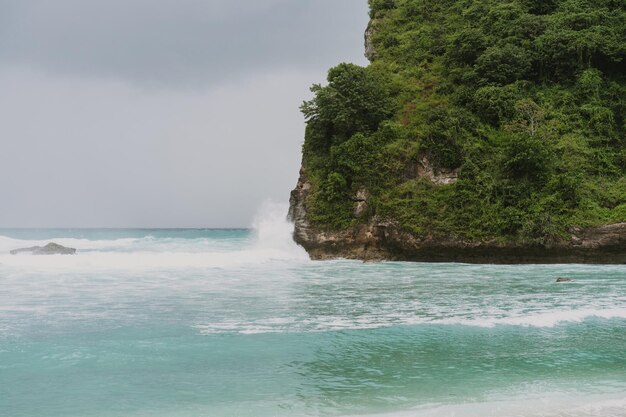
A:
x,y
384,240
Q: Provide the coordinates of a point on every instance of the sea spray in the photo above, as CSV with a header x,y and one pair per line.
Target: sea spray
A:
x,y
270,240
274,232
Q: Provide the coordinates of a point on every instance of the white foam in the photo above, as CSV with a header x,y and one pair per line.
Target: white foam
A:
x,y
542,319
141,260
273,231
8,243
379,321
272,241
546,405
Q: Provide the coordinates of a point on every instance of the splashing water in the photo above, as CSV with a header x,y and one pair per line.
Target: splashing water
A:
x,y
271,240
274,232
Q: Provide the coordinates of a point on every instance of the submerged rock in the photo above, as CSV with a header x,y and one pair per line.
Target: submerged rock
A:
x,y
49,249
563,279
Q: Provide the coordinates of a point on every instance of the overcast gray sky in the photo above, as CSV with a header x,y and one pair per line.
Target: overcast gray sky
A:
x,y
159,113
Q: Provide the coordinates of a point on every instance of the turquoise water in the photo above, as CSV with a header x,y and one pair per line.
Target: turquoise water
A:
x,y
240,323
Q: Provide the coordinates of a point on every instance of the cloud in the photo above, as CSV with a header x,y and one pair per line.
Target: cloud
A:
x,y
159,113
86,153
176,42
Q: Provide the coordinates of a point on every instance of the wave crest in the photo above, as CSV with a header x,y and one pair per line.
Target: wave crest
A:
x,y
271,239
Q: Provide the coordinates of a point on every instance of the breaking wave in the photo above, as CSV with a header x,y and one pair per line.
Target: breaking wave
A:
x,y
545,405
546,319
269,240
543,319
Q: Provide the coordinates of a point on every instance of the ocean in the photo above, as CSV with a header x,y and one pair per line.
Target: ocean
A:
x,y
212,323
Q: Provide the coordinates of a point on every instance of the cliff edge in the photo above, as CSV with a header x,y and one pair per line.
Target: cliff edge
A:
x,y
380,240
482,132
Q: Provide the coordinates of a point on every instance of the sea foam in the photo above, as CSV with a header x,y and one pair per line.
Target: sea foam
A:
x,y
271,240
541,319
545,405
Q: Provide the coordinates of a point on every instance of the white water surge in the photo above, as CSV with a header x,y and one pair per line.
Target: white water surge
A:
x,y
271,240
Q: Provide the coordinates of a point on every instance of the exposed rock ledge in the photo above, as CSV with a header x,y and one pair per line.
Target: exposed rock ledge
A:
x,y
49,249
385,240
370,50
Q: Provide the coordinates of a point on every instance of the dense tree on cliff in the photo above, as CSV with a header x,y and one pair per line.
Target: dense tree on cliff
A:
x,y
523,101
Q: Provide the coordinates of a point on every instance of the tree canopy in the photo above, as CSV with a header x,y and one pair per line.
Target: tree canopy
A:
x,y
523,100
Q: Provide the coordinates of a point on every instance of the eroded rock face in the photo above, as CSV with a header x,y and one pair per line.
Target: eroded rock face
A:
x,y
383,239
437,176
360,202
387,241
370,51
49,249
607,236
297,210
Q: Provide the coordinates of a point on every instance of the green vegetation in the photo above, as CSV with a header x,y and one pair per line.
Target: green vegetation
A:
x,y
524,100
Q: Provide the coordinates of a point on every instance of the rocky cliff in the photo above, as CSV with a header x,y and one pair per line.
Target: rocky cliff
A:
x,y
469,139
380,240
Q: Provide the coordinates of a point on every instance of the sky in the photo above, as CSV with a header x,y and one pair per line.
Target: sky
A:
x,y
159,113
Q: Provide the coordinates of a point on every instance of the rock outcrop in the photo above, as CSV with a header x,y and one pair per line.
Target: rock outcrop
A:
x,y
381,239
438,129
49,249
437,176
297,210
370,51
360,202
